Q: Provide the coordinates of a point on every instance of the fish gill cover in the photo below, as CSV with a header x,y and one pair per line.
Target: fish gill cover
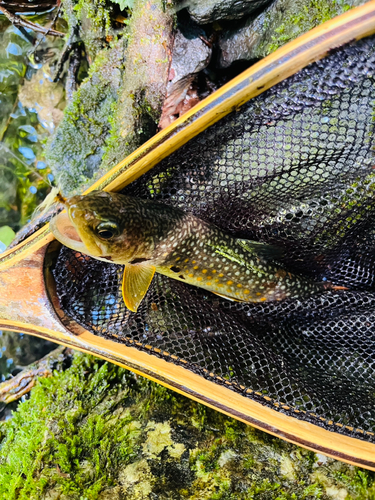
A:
x,y
294,167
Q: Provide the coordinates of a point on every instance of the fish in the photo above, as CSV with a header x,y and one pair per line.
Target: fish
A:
x,y
147,237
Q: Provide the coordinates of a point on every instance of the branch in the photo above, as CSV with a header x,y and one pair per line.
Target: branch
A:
x,y
21,384
23,23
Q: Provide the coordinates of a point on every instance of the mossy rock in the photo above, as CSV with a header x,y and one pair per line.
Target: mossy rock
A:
x,y
281,22
75,151
117,108
97,431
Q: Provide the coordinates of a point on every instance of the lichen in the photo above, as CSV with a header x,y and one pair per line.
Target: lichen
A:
x,y
96,431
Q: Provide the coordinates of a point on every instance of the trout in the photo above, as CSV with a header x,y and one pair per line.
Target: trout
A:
x,y
149,237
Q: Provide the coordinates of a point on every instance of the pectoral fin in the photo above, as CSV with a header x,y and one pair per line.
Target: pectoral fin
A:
x,y
137,279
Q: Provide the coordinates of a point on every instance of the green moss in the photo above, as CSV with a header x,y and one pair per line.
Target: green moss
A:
x,y
93,18
299,19
75,152
117,108
98,432
98,11
69,434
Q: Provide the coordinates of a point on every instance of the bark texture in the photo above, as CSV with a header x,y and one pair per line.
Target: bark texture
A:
x,y
119,106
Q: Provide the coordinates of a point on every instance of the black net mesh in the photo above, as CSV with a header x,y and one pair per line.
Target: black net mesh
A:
x,y
294,167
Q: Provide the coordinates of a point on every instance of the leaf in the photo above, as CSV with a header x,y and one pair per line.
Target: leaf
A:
x,y
124,4
6,236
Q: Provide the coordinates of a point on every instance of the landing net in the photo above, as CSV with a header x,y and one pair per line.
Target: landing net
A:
x,y
293,167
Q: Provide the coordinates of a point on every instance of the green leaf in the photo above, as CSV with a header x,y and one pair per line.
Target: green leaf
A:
x,y
125,4
6,235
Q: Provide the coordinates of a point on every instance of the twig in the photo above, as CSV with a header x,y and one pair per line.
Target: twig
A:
x,y
21,384
23,23
49,29
73,41
26,7
73,68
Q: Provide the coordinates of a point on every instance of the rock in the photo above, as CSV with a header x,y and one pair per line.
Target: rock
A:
x,y
208,11
96,431
191,54
281,22
118,107
74,153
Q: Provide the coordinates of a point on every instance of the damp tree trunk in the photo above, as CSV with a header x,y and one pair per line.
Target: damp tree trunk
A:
x,y
97,431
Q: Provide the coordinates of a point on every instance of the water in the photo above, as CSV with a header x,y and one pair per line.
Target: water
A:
x,y
30,108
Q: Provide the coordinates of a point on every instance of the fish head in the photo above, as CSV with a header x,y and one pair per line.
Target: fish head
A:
x,y
95,225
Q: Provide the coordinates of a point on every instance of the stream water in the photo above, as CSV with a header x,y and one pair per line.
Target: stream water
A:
x,y
30,107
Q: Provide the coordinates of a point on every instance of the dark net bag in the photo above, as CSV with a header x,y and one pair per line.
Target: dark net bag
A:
x,y
293,167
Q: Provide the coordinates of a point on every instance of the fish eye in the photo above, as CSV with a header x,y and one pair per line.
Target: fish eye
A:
x,y
107,230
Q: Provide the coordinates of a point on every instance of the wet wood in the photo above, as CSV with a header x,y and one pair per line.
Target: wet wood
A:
x,y
25,23
19,385
32,6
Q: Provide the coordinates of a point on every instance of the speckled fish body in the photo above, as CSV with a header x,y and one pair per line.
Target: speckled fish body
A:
x,y
237,269
148,237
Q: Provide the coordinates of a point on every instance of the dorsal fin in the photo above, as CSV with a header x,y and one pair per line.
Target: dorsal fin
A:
x,y
262,250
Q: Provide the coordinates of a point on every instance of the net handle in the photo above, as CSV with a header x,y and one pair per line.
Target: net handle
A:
x,y
28,305
45,319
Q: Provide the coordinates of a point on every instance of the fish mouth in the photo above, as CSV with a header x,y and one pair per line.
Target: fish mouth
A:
x,y
66,233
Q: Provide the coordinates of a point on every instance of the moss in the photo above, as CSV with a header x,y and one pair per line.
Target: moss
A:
x,y
144,86
98,11
98,432
93,21
75,151
298,18
118,106
70,435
